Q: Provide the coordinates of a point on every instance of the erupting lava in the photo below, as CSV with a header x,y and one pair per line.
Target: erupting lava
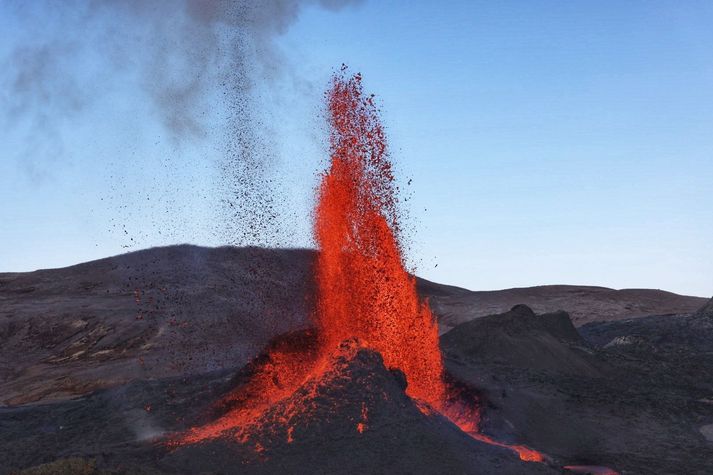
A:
x,y
364,293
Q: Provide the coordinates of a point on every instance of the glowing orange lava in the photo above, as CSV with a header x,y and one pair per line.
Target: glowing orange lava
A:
x,y
288,363
363,289
463,409
364,293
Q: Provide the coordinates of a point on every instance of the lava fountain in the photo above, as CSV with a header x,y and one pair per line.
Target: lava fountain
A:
x,y
364,293
363,289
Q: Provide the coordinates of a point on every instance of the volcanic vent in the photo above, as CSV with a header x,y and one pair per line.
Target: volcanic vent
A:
x,y
353,418
374,345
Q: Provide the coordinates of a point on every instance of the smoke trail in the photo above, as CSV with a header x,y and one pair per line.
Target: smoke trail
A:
x,y
180,55
181,48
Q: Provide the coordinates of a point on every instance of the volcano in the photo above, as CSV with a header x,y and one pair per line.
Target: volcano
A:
x,y
365,298
351,377
356,417
616,393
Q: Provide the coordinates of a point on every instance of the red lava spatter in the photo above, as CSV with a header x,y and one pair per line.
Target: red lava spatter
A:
x,y
288,363
364,292
363,289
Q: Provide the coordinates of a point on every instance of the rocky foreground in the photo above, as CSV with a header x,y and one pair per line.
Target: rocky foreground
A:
x,y
102,362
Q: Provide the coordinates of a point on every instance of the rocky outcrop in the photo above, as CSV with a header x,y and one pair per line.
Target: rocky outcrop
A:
x,y
520,338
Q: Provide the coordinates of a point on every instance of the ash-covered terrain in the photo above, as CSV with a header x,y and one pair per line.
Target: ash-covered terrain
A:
x,y
102,363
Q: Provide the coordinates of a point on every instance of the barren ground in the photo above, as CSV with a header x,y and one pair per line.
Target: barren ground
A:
x,y
102,360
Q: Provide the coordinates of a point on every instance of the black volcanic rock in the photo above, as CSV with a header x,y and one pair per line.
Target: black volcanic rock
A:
x,y
657,334
520,338
355,418
363,404
706,311
634,395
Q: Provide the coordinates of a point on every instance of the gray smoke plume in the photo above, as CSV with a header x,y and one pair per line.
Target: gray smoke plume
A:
x,y
178,48
179,56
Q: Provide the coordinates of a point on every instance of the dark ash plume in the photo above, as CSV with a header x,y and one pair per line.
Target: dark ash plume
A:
x,y
195,63
178,52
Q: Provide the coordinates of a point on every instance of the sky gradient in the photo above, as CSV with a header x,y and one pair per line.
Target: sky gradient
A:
x,y
547,143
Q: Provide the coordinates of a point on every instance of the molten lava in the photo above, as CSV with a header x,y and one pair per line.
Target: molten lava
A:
x,y
364,293
288,362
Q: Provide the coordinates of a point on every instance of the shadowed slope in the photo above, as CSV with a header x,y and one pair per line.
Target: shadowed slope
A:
x,y
632,394
706,311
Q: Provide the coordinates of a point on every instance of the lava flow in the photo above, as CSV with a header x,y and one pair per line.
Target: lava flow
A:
x,y
364,293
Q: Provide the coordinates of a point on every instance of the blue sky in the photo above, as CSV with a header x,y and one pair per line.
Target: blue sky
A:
x,y
548,142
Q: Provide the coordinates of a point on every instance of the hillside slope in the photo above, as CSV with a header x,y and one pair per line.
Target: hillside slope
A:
x,y
185,309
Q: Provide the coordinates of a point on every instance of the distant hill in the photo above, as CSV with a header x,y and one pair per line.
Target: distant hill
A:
x,y
184,309
585,304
